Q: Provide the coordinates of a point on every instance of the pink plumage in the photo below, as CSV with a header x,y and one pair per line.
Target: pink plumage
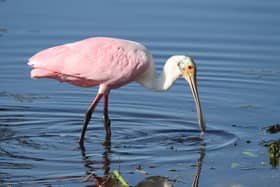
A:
x,y
108,62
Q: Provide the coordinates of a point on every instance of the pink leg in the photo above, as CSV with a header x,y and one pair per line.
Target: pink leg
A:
x,y
88,116
107,123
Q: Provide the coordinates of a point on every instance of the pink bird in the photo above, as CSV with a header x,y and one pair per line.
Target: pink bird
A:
x,y
111,63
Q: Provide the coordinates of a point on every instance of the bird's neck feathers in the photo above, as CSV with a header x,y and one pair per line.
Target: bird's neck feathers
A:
x,y
164,80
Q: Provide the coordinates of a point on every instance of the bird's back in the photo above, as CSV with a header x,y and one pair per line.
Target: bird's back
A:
x,y
92,61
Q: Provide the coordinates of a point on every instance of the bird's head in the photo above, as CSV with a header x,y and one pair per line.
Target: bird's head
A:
x,y
187,69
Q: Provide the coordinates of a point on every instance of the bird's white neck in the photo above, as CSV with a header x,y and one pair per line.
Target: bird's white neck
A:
x,y
164,80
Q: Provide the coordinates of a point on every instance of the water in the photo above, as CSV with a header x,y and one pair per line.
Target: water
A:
x,y
236,46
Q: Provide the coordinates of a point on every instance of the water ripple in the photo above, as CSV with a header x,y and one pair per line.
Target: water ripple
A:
x,y
235,45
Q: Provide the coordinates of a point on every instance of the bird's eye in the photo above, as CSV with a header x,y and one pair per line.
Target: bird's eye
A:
x,y
190,67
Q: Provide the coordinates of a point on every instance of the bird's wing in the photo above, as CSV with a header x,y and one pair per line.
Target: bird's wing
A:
x,y
95,59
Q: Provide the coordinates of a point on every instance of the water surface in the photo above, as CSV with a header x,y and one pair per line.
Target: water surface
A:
x,y
236,46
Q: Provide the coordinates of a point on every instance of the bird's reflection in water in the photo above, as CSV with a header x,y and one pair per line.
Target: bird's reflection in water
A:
x,y
199,166
105,180
152,181
159,181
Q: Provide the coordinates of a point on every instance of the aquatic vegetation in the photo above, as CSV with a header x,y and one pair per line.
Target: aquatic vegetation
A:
x,y
119,178
274,153
273,149
116,180
273,146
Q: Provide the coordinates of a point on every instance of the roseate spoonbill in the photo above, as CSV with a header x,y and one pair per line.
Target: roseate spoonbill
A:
x,y
111,63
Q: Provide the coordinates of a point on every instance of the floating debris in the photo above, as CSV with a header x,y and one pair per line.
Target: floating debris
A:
x,y
248,141
172,170
139,169
142,171
273,129
153,166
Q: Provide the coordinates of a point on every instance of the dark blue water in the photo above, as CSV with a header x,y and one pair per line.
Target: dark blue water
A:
x,y
236,46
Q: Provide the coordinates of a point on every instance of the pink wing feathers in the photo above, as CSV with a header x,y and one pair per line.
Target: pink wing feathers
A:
x,y
92,62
